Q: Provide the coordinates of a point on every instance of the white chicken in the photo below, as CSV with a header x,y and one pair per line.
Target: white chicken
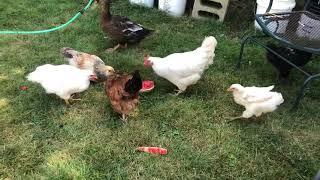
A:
x,y
184,69
62,80
256,100
81,60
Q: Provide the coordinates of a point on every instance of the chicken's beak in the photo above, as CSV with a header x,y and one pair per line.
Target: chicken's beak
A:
x,y
93,78
110,70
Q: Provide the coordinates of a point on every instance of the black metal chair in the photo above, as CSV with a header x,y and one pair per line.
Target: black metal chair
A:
x,y
298,30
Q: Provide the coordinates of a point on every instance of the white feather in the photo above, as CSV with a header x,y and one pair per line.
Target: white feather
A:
x,y
184,69
256,100
62,80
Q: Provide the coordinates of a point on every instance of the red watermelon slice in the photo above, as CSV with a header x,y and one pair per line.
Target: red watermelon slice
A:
x,y
147,86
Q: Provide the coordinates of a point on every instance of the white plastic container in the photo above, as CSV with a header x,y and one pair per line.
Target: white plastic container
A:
x,y
146,3
277,6
173,7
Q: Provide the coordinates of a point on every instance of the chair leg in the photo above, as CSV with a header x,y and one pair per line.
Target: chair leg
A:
x,y
301,92
243,43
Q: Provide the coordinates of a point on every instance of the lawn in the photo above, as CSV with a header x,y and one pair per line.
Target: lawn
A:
x,y
41,138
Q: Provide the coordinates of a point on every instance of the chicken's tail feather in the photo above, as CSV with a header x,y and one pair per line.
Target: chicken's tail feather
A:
x,y
269,88
65,52
34,77
134,84
278,99
69,54
147,32
40,73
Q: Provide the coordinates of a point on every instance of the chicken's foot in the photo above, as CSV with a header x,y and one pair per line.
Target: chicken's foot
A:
x,y
178,91
111,50
76,99
70,99
231,119
67,102
124,118
75,94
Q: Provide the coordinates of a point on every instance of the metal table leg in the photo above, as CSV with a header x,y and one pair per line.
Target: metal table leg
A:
x,y
243,43
304,86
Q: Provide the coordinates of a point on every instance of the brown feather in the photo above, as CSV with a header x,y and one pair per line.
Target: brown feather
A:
x,y
119,28
121,101
85,60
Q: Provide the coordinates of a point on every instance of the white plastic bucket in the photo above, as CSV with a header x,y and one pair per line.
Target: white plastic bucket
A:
x,y
277,6
146,3
173,7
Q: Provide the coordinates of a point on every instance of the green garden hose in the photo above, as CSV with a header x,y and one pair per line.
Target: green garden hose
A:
x,y
52,29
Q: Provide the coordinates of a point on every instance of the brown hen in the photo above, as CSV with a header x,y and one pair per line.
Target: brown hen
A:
x,y
123,92
79,59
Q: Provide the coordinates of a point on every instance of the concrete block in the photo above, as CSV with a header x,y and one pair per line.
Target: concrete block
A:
x,y
210,8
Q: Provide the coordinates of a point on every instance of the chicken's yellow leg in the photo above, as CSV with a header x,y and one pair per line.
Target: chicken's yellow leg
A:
x,y
234,118
111,50
178,91
67,102
75,99
124,118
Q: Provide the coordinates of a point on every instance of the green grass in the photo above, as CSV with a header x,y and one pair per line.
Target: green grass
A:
x,y
41,138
